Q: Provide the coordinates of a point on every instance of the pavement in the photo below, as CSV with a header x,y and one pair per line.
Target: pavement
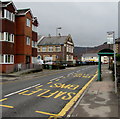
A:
x,y
99,100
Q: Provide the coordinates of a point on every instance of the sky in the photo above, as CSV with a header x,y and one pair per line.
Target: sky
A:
x,y
87,22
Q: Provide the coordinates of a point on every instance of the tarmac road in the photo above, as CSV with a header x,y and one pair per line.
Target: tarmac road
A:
x,y
49,95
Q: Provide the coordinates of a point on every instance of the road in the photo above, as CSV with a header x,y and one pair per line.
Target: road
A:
x,y
49,95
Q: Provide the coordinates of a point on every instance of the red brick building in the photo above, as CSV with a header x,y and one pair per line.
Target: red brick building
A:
x,y
18,38
59,48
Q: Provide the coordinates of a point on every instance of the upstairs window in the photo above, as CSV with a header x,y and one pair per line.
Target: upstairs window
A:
x,y
27,40
5,36
58,48
9,15
44,49
50,49
34,44
34,28
28,22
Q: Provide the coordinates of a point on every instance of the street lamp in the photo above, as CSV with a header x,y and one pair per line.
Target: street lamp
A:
x,y
57,30
111,38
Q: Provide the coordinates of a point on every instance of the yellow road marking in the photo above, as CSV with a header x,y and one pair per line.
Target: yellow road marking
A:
x,y
3,99
75,98
57,79
7,106
46,113
49,82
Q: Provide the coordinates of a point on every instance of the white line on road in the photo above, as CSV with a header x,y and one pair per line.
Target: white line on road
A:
x,y
56,78
21,90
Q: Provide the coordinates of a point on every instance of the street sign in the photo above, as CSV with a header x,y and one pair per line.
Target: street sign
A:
x,y
109,37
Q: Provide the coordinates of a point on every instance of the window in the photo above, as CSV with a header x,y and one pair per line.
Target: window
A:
x,y
1,58
34,44
6,59
8,15
5,36
34,28
28,22
44,49
28,40
67,48
50,49
58,48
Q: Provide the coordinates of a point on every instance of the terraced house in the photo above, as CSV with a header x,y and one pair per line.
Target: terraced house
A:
x,y
56,48
18,38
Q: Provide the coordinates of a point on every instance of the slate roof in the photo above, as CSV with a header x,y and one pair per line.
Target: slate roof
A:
x,y
54,40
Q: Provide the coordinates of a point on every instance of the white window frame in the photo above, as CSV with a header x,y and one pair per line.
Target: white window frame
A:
x,y
58,48
44,49
28,22
34,28
27,40
5,36
50,49
34,44
6,59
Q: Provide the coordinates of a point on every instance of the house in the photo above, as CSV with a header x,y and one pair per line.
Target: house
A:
x,y
26,37
56,48
18,38
7,36
93,57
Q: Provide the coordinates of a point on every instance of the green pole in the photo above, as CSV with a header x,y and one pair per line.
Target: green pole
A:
x,y
99,68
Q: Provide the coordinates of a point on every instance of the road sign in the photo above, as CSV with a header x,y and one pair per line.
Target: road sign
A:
x,y
109,37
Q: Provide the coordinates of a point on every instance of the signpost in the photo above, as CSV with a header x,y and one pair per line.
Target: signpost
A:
x,y
111,40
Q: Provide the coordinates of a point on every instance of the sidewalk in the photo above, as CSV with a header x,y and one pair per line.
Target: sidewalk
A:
x,y
99,100
16,75
28,73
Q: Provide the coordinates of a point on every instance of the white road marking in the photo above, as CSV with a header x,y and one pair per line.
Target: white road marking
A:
x,y
21,90
56,78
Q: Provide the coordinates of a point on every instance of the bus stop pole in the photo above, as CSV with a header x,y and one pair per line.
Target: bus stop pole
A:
x,y
99,68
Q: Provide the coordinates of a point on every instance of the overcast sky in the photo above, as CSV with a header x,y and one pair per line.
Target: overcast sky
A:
x,y
87,22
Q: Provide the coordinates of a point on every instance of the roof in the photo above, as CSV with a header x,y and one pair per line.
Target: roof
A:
x,y
54,40
23,12
6,3
90,55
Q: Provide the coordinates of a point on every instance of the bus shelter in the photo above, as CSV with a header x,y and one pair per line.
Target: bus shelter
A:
x,y
103,52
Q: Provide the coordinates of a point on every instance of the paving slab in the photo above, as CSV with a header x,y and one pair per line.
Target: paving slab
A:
x,y
100,99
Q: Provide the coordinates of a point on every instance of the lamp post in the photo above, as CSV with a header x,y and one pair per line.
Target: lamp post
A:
x,y
57,30
111,38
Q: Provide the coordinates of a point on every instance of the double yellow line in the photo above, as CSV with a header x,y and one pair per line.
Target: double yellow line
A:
x,y
5,105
